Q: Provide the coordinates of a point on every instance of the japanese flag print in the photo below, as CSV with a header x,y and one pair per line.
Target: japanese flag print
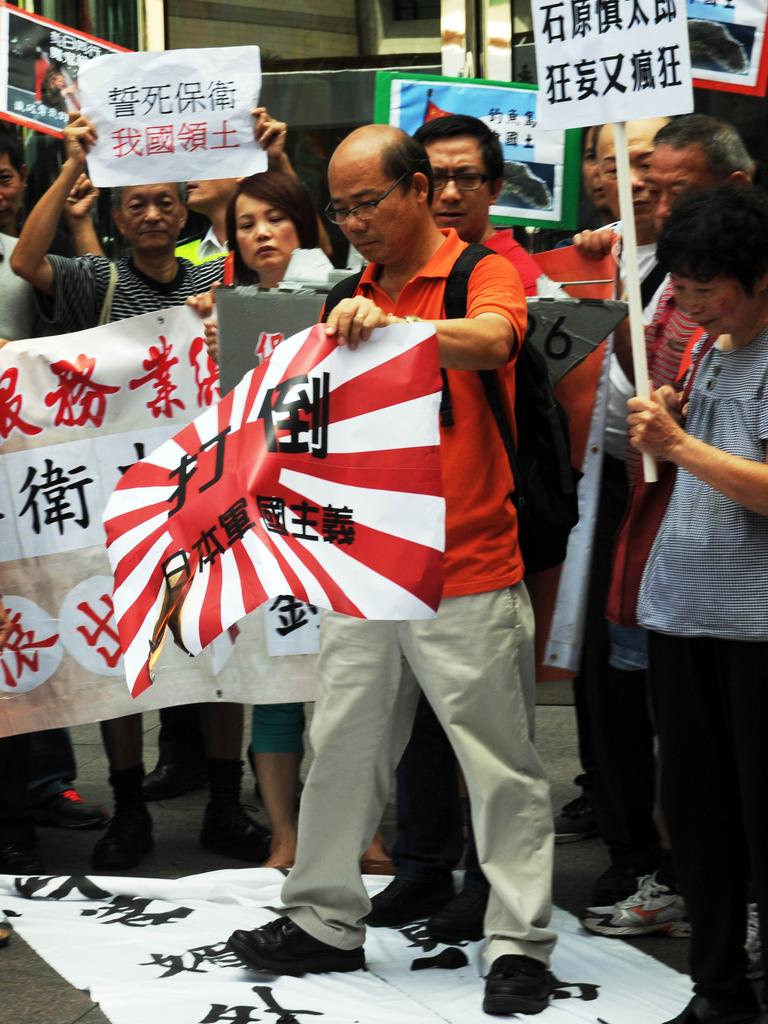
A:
x,y
318,476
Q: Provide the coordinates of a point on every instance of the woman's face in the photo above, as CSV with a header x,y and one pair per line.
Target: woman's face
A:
x,y
722,306
266,238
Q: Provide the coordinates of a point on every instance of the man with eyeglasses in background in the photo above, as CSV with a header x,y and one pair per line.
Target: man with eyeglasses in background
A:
x,y
474,660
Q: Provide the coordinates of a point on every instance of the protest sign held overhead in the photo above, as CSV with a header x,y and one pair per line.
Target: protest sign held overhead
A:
x,y
611,60
40,62
158,115
317,476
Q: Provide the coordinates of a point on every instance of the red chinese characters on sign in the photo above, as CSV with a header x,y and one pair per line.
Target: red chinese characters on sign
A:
x,y
159,139
101,626
10,406
21,651
125,142
80,399
158,364
152,140
206,373
267,344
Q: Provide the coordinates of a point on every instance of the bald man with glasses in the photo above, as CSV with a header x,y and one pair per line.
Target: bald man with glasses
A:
x,y
474,660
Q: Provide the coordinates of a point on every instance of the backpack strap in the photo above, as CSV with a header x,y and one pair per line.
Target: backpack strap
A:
x,y
651,282
106,307
455,303
342,290
490,382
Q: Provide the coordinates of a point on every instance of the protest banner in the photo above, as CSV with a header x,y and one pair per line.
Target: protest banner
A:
x,y
152,950
610,62
541,168
318,476
614,64
40,62
75,411
727,40
158,114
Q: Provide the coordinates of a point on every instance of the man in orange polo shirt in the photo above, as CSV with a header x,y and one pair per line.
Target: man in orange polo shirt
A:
x,y
474,660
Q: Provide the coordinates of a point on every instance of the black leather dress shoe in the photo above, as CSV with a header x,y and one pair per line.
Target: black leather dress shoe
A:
x,y
516,984
461,920
126,841
229,829
281,947
167,781
404,901
702,1011
19,859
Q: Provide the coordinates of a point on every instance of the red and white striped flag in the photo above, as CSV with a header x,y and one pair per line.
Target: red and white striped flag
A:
x,y
317,476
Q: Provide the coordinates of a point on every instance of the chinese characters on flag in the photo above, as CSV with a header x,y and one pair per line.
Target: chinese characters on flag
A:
x,y
318,476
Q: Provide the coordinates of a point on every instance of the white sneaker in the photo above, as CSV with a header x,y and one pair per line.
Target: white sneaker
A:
x,y
752,945
653,908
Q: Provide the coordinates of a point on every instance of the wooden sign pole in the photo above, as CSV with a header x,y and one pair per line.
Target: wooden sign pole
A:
x,y
632,278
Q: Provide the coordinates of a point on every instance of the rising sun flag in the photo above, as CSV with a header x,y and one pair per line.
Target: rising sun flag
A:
x,y
318,476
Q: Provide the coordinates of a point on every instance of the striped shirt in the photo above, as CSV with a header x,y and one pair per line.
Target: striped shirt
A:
x,y
80,286
707,571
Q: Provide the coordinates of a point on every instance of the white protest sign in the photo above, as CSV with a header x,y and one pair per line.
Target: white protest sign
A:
x,y
611,60
173,115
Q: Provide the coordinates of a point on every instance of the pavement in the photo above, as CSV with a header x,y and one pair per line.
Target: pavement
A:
x,y
33,993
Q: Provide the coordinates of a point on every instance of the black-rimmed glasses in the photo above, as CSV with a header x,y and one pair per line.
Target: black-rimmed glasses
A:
x,y
465,181
363,211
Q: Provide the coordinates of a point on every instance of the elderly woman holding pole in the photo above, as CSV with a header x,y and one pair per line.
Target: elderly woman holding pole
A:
x,y
703,595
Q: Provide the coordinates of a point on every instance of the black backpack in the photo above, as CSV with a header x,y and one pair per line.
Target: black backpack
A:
x,y
545,481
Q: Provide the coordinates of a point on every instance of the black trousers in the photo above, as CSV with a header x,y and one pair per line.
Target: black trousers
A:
x,y
430,817
621,733
16,825
711,702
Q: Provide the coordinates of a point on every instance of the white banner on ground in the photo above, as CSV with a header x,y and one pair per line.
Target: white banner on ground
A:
x,y
610,60
75,411
152,949
173,115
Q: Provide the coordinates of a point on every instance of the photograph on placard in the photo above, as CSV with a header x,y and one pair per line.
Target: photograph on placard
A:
x,y
727,43
42,61
540,167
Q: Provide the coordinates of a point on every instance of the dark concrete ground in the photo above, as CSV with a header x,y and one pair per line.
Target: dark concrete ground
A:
x,y
32,993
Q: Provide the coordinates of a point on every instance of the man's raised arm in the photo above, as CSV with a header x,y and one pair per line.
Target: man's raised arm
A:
x,y
30,256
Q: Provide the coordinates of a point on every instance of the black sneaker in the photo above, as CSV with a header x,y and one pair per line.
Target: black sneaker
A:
x,y
20,858
281,947
126,841
404,901
516,984
229,829
577,820
67,809
461,920
702,1011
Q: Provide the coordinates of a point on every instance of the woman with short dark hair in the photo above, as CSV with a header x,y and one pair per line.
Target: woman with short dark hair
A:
x,y
703,594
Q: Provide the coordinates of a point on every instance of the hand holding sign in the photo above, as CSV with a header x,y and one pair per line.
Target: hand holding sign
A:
x,y
165,116
80,137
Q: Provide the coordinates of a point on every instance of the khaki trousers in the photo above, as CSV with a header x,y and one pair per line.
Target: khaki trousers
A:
x,y
475,663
